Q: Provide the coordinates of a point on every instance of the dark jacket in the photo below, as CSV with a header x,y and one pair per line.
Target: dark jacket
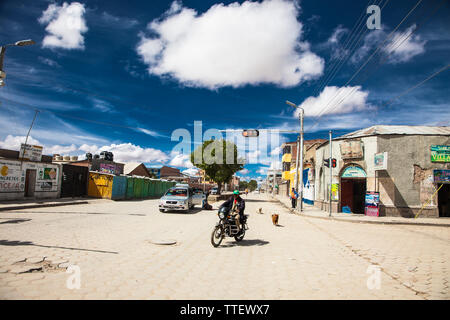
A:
x,y
229,204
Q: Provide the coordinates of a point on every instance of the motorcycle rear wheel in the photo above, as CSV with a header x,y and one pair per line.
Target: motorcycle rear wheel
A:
x,y
240,235
217,236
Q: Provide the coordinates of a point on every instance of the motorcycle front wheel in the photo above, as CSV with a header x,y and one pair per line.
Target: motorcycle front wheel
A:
x,y
217,236
240,235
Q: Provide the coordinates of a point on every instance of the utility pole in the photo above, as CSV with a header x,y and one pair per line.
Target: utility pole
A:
x,y
331,171
299,151
301,159
26,139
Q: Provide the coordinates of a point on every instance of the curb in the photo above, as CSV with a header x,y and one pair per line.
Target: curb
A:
x,y
428,224
44,205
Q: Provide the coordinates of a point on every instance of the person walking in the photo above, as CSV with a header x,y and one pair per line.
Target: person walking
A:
x,y
293,196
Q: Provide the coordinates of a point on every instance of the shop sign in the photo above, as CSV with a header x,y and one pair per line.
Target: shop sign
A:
x,y
29,152
441,176
380,161
440,153
108,168
12,178
372,207
47,179
353,172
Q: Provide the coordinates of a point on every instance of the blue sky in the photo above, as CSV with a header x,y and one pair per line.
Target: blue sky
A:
x,y
138,70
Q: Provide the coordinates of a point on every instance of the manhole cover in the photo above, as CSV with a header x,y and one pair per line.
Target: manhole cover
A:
x,y
164,242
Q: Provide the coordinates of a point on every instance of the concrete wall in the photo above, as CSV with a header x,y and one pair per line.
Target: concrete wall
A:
x,y
408,182
404,187
41,186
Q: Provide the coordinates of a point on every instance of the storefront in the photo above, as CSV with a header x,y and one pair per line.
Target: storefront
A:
x,y
442,181
353,189
19,180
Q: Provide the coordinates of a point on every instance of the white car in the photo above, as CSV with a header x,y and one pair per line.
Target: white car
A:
x,y
214,191
179,198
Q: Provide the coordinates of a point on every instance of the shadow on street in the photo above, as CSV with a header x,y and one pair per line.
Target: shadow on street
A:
x,y
29,243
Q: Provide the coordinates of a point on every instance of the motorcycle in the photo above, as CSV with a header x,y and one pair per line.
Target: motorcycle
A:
x,y
226,227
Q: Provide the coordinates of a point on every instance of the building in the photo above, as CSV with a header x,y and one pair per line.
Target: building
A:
x,y
95,164
274,175
26,179
204,178
289,161
403,166
233,184
165,172
136,169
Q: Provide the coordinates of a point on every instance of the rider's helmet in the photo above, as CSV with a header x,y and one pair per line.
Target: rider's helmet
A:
x,y
236,192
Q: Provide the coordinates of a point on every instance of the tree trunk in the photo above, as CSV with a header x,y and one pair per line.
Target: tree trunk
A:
x,y
219,187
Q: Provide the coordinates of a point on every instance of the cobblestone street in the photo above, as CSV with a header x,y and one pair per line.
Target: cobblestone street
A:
x,y
302,258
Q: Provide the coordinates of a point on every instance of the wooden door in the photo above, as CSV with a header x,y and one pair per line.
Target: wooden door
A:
x,y
30,182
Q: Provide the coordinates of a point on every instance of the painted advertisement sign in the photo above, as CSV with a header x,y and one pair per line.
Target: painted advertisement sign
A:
x,y
380,161
29,152
334,191
441,176
372,204
308,187
12,178
440,153
47,179
108,168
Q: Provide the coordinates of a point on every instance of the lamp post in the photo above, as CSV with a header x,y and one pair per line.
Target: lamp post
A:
x,y
299,150
20,43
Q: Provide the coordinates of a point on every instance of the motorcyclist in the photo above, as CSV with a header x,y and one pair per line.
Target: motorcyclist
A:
x,y
236,206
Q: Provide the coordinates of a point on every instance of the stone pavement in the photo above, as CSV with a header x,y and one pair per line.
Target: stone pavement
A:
x,y
111,244
311,211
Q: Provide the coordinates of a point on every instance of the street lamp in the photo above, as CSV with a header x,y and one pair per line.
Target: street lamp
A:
x,y
20,43
301,116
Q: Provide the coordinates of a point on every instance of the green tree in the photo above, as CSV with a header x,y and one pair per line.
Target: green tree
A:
x,y
252,185
219,159
243,185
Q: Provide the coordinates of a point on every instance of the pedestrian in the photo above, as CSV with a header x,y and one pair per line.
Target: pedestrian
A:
x,y
293,196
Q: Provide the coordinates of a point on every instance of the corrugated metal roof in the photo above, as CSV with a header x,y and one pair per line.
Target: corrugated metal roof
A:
x,y
401,130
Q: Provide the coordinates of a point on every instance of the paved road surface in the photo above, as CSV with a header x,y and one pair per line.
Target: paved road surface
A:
x,y
110,244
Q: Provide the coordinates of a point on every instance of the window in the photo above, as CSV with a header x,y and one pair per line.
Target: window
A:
x,y
177,192
286,149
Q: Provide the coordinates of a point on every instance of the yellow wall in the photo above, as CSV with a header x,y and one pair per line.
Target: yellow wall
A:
x,y
100,185
287,157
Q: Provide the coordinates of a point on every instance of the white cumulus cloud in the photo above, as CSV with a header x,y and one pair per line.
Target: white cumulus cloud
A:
x,y
336,100
65,26
14,142
180,160
404,46
230,45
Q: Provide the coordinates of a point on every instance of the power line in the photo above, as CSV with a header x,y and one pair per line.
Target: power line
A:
x,y
380,62
362,66
416,85
351,50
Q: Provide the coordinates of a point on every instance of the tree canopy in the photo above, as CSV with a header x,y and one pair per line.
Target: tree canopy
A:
x,y
219,159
